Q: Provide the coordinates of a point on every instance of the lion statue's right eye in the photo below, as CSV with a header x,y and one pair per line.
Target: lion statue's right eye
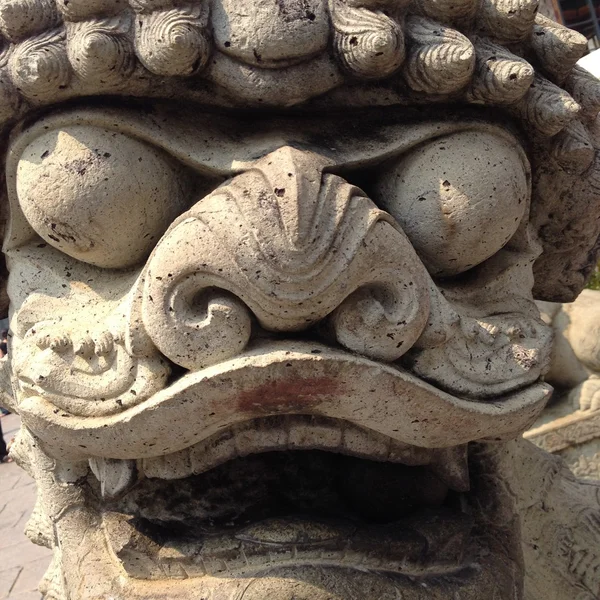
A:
x,y
459,198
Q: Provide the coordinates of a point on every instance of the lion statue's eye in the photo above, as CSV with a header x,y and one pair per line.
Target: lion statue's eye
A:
x,y
99,196
459,199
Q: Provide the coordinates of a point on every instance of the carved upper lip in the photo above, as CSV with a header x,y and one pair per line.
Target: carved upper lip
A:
x,y
278,378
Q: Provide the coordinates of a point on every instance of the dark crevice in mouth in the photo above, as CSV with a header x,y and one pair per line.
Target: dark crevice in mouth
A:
x,y
176,373
310,484
289,508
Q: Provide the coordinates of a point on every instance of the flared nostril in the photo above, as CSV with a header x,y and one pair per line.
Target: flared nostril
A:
x,y
382,322
290,251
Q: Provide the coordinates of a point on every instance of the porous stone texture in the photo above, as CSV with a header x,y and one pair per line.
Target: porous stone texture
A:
x,y
272,279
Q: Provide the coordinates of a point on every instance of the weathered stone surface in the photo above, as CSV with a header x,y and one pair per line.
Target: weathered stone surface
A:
x,y
272,280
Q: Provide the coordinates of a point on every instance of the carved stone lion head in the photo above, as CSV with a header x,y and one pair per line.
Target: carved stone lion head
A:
x,y
272,271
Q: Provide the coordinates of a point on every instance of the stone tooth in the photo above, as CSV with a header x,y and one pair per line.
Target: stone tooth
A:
x,y
213,452
367,444
171,466
451,466
317,435
411,456
115,476
251,438
296,433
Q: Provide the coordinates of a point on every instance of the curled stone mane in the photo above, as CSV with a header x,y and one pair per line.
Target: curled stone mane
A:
x,y
495,53
272,277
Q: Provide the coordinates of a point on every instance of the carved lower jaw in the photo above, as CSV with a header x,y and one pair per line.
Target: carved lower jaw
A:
x,y
307,525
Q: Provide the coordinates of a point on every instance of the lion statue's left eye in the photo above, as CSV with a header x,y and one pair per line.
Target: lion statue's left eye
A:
x,y
101,197
459,199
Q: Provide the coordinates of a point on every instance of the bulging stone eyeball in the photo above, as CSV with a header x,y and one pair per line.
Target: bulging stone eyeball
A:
x,y
98,196
459,199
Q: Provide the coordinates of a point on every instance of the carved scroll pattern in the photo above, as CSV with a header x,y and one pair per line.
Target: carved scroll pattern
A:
x,y
78,361
291,245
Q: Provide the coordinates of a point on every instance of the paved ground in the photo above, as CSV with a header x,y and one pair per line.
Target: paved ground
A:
x,y
22,564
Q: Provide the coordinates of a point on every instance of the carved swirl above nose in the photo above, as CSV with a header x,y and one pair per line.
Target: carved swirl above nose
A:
x,y
290,244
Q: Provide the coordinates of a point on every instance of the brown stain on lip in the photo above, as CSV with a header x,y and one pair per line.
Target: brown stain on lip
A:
x,y
288,395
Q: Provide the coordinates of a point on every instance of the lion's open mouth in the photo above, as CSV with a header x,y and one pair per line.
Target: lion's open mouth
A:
x,y
295,463
403,510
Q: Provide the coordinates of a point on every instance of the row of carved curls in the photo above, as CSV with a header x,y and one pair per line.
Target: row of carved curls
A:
x,y
373,38
481,51
47,42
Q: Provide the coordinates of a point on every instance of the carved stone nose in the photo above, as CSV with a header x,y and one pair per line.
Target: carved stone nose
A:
x,y
290,245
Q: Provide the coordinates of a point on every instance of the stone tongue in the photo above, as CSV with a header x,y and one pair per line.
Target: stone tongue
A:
x,y
436,542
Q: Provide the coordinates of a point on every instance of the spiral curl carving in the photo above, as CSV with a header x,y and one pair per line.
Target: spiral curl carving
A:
x,y
372,321
100,51
369,38
22,18
326,252
500,77
440,60
368,43
174,42
573,148
557,47
546,107
449,10
148,6
585,89
77,10
509,21
205,329
40,66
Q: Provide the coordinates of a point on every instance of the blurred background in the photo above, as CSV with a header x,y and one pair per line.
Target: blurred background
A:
x,y
582,15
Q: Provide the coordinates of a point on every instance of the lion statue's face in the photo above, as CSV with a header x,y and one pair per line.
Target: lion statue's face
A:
x,y
278,353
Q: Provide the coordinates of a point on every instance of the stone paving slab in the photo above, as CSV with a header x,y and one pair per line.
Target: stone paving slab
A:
x,y
22,564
